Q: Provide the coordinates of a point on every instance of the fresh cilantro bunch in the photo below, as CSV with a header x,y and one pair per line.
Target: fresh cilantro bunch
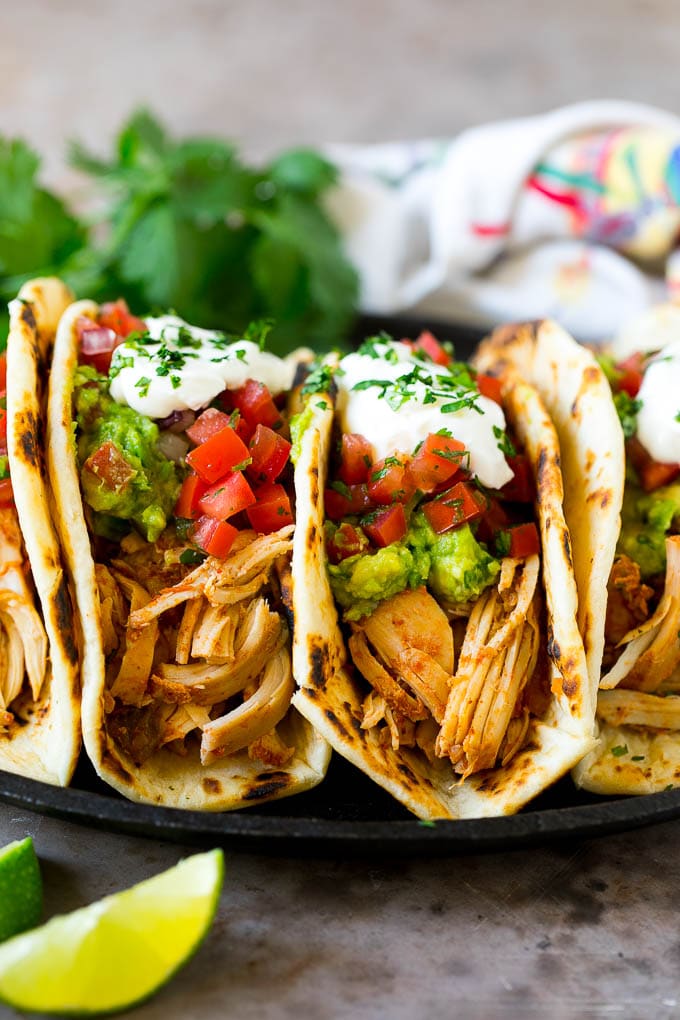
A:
x,y
38,235
188,226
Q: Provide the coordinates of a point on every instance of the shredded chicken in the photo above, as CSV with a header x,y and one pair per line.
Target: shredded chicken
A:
x,y
627,603
497,660
208,656
23,642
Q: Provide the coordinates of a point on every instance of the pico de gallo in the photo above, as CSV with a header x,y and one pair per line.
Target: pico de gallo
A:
x,y
426,485
172,426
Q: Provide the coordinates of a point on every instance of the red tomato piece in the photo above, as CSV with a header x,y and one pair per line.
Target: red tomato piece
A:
x,y
227,497
207,424
356,456
386,526
347,541
428,343
524,540
3,425
494,520
109,465
214,537
346,500
222,452
271,511
389,481
438,461
458,505
117,316
652,473
520,488
270,453
491,387
255,403
3,373
193,488
632,371
6,494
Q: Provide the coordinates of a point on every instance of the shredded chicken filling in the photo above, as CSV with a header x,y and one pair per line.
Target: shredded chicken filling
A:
x,y
638,689
474,712
206,657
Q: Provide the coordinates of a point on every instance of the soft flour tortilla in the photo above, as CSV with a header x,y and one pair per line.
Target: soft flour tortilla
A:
x,y
46,746
166,778
331,697
579,399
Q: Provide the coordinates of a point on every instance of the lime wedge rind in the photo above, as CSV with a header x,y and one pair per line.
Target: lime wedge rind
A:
x,y
117,952
20,888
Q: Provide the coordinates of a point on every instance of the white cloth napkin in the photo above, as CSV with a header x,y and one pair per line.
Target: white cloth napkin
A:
x,y
572,214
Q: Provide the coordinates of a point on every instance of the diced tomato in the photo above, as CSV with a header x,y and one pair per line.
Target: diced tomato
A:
x,y
428,343
437,462
117,316
96,344
6,494
631,374
494,520
255,403
356,456
351,499
386,526
207,424
270,453
3,373
458,505
214,537
524,540
222,452
347,541
491,387
227,497
193,488
109,465
389,481
272,509
652,473
520,488
3,426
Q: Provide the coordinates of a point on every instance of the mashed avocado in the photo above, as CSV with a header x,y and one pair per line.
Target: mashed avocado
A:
x,y
453,565
148,483
646,519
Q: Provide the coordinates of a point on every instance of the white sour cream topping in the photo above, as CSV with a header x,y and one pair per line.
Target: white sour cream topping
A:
x,y
390,431
657,428
186,368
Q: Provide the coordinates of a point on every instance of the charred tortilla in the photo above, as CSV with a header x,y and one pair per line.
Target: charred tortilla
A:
x,y
127,695
332,693
40,713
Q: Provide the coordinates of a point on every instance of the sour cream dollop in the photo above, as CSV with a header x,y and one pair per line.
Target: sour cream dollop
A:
x,y
366,409
657,426
179,367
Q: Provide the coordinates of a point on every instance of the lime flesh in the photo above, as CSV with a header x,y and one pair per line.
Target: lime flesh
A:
x,y
20,888
119,950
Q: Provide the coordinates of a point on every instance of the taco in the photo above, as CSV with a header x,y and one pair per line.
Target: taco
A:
x,y
435,584
618,424
169,462
39,676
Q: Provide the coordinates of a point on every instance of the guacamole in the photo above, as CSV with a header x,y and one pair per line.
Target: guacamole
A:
x,y
646,519
139,484
453,565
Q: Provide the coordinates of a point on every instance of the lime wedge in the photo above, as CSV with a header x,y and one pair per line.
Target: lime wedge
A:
x,y
20,888
119,950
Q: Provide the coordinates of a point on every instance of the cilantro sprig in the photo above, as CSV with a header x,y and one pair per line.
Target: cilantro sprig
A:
x,y
186,224
453,385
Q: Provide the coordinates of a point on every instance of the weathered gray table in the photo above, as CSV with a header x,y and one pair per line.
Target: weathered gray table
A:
x,y
586,929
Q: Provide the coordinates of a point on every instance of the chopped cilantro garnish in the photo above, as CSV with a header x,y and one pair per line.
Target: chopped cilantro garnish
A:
x,y
343,489
192,557
319,380
638,757
258,330
504,443
142,385
379,347
243,465
4,467
453,385
619,750
627,408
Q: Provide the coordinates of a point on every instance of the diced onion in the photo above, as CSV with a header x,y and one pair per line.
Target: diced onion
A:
x,y
172,446
98,340
178,421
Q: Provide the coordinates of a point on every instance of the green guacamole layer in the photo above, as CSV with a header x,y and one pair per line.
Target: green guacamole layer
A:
x,y
147,496
646,519
454,566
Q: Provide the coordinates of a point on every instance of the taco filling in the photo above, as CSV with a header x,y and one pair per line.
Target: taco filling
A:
x,y
23,641
641,669
183,455
434,556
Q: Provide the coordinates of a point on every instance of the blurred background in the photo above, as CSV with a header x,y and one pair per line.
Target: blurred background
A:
x,y
269,74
